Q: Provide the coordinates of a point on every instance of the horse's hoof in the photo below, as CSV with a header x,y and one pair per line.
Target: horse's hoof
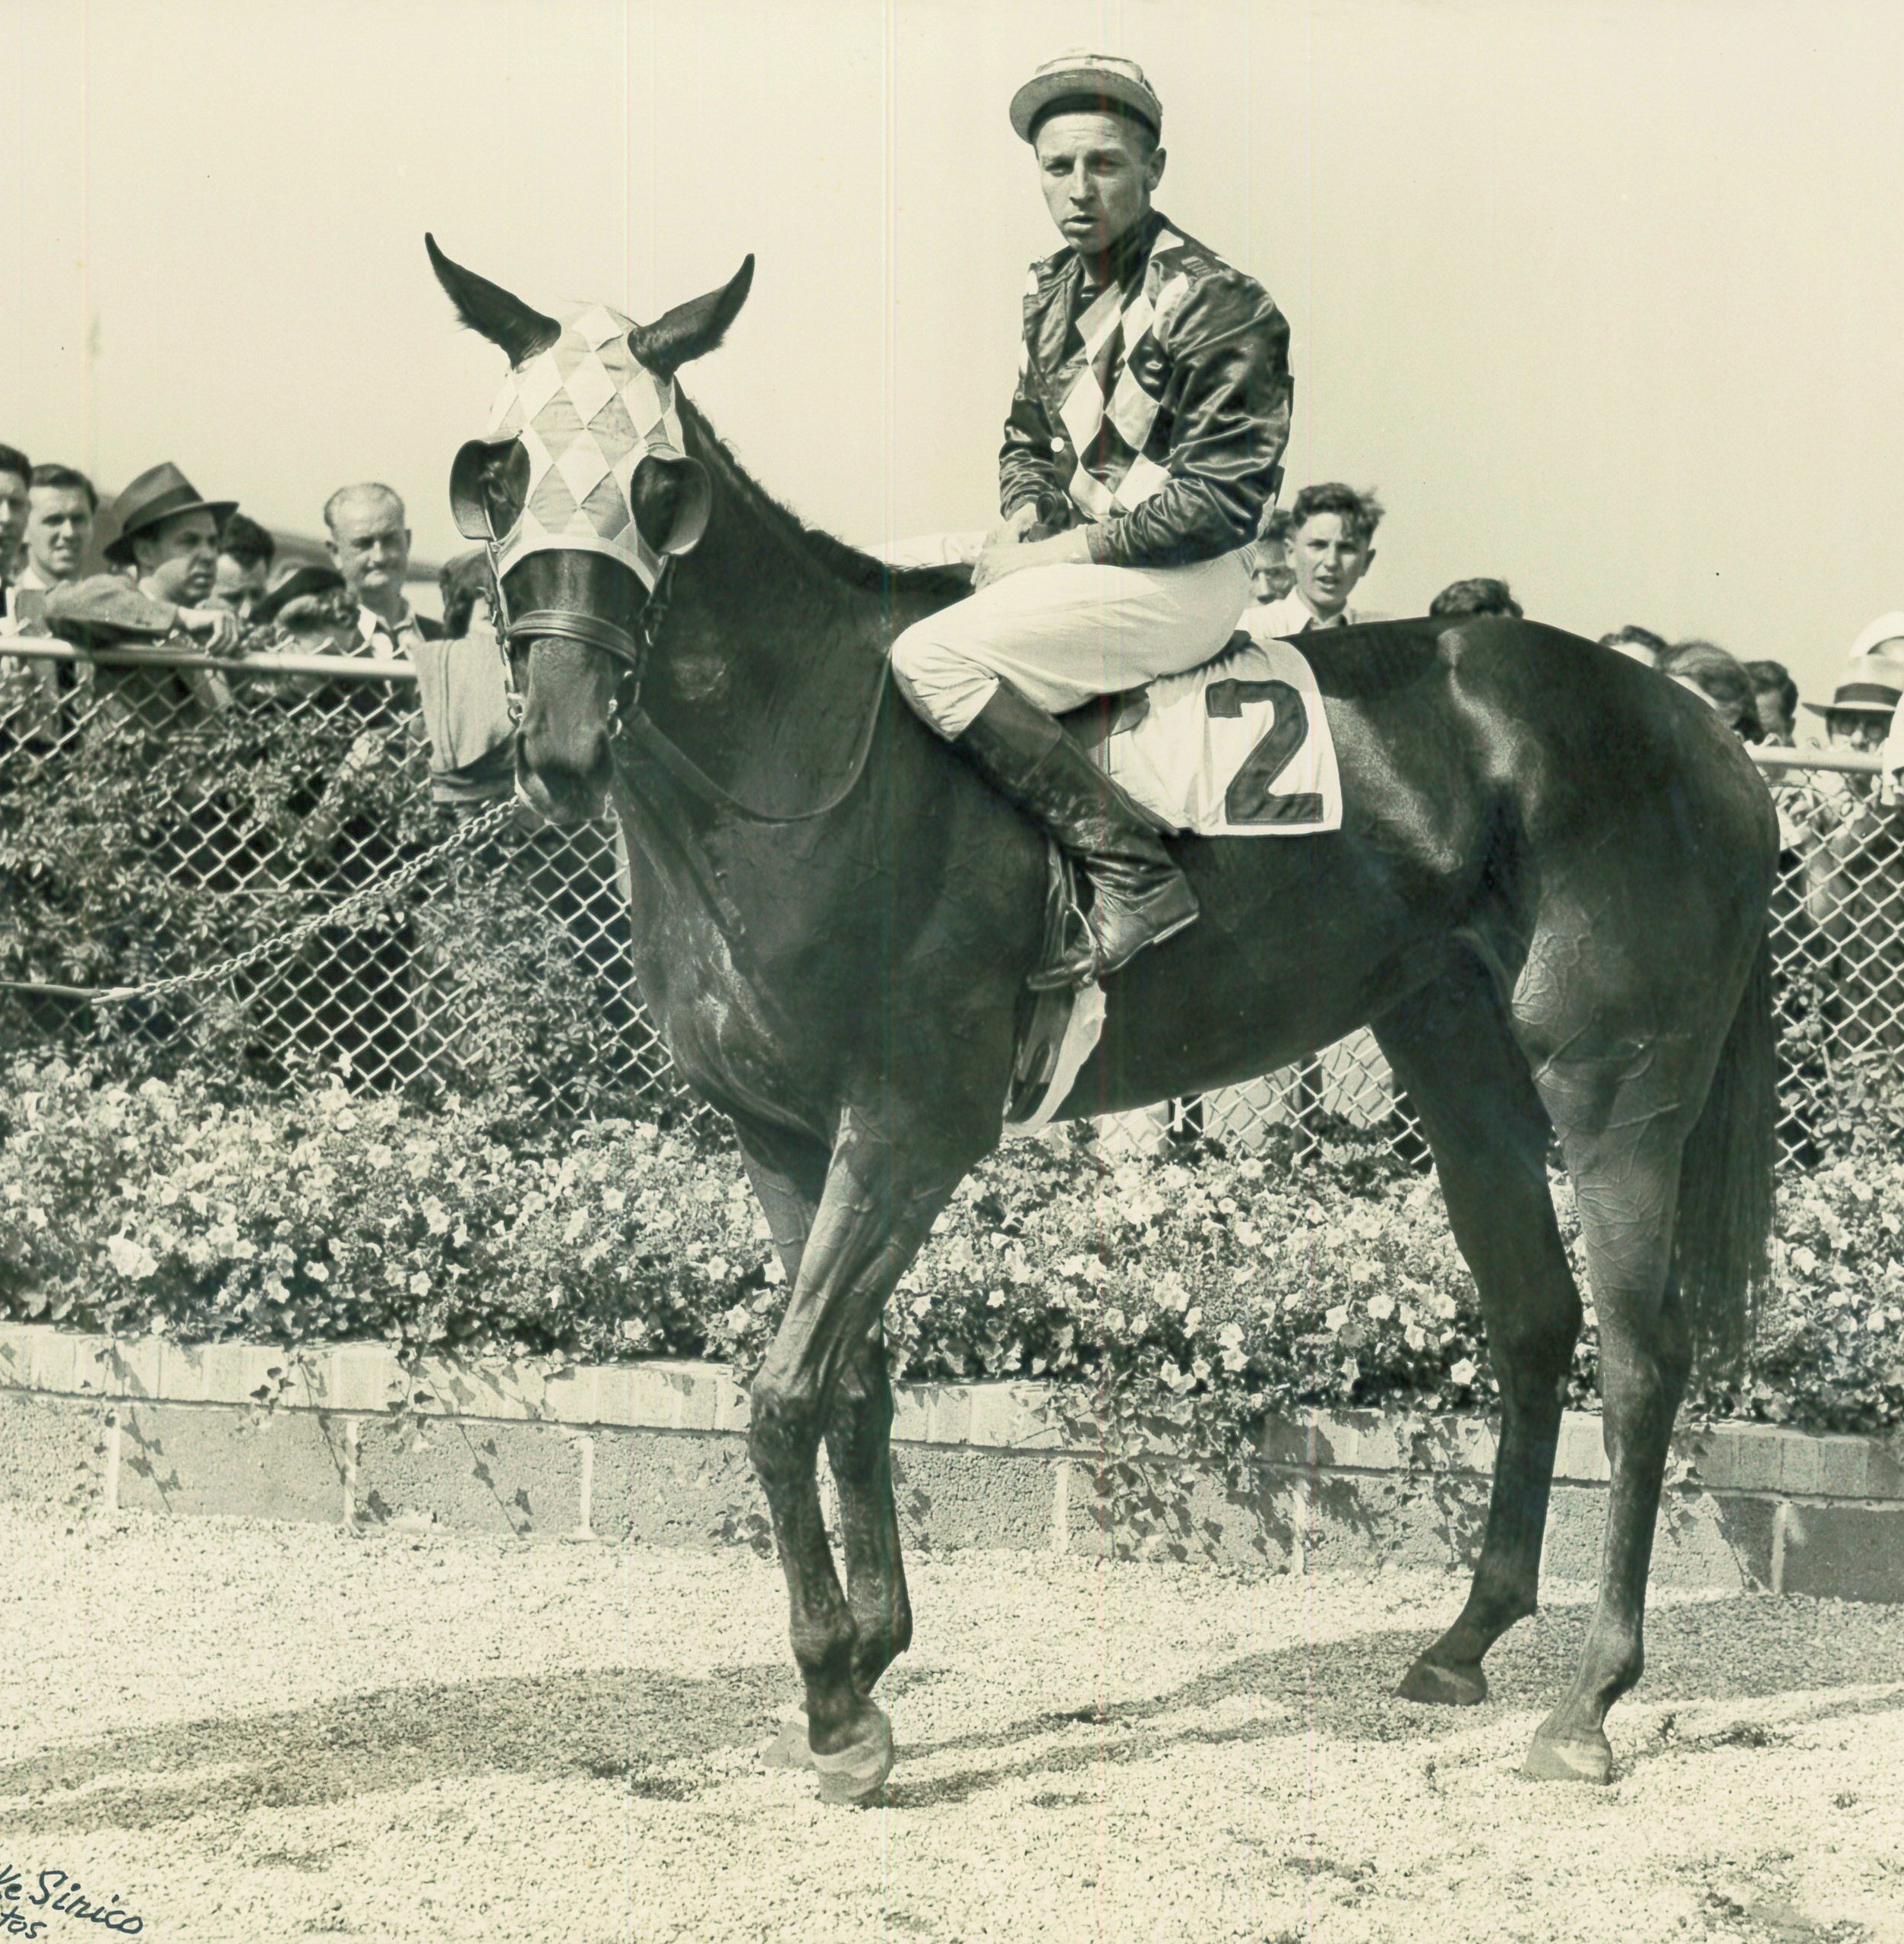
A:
x,y
788,1749
1442,1687
858,1771
1569,1757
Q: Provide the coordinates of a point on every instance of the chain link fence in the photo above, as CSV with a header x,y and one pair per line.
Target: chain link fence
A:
x,y
162,814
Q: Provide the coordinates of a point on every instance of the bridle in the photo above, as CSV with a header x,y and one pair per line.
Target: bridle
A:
x,y
628,650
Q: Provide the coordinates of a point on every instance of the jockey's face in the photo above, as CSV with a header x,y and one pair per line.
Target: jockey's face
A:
x,y
1329,557
1098,171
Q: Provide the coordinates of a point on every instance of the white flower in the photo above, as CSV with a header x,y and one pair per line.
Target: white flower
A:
x,y
996,1299
717,1269
1416,1337
433,1217
419,1284
318,1272
131,1259
1193,1318
614,1199
775,1274
737,1319
1381,1307
1114,1321
1337,1318
1462,1373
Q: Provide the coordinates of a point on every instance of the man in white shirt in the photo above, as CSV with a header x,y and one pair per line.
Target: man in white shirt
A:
x,y
1330,547
61,504
370,546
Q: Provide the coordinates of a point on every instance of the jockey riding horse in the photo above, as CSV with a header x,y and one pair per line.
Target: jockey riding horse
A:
x,y
1143,444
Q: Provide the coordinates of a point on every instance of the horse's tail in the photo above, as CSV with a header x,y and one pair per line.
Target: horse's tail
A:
x,y
1723,1232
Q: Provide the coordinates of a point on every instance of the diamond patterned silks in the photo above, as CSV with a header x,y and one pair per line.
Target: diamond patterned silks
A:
x,y
586,413
1107,412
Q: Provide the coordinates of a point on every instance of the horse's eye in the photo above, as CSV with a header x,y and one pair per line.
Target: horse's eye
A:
x,y
505,486
488,484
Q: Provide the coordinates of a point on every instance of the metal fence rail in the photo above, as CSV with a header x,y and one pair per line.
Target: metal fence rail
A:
x,y
160,812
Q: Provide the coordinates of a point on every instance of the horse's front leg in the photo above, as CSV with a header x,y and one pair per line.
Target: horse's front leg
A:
x,y
878,1203
859,1444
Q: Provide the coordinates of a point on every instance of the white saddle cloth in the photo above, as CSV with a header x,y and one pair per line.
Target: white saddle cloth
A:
x,y
1238,747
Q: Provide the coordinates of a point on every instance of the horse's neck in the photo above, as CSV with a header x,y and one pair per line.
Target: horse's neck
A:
x,y
770,664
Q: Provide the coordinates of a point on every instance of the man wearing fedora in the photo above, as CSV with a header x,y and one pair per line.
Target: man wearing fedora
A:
x,y
168,536
1140,451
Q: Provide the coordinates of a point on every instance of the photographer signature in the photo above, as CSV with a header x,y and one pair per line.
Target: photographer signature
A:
x,y
57,1894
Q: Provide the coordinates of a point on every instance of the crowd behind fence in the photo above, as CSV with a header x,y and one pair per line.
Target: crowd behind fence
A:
x,y
144,836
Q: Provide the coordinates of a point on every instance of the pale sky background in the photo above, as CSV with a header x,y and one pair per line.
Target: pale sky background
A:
x,y
1605,298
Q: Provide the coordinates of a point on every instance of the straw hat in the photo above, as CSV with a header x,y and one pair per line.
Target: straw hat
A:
x,y
1871,685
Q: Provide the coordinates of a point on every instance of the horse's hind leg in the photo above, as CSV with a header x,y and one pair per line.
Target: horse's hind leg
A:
x,y
1626,1168
1450,1047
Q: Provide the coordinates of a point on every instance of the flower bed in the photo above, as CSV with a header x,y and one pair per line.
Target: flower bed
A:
x,y
1199,1289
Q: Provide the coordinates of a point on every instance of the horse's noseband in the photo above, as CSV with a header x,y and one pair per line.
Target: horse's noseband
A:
x,y
629,651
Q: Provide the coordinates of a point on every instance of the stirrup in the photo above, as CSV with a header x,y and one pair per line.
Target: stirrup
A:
x,y
1090,967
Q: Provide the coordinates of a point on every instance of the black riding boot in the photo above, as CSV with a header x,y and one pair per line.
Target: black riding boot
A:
x,y
1141,895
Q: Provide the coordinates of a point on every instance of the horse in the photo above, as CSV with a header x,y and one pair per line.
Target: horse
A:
x,y
1548,898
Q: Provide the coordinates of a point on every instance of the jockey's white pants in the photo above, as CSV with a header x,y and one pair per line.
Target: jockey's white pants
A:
x,y
1064,633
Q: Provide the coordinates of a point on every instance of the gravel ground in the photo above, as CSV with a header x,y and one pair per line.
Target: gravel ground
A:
x,y
254,1731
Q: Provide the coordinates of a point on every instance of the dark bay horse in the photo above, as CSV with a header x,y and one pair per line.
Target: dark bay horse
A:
x,y
1548,900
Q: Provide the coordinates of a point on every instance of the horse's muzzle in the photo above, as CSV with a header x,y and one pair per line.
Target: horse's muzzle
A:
x,y
567,785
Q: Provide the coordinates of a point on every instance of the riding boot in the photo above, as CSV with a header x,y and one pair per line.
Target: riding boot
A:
x,y
1142,897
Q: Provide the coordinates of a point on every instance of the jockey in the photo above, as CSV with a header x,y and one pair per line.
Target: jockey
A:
x,y
1140,452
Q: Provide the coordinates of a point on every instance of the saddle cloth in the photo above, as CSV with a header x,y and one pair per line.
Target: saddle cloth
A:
x,y
1238,746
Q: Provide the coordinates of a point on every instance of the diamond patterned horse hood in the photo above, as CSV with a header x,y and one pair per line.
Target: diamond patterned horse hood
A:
x,y
587,413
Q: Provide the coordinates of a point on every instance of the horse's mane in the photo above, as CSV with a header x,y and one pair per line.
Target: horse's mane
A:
x,y
833,556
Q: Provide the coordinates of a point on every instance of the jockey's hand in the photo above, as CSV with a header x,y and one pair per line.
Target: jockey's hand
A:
x,y
219,626
998,557
1010,549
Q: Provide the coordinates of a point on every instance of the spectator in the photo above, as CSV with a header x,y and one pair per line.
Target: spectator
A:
x,y
1853,858
1777,696
1271,576
460,684
60,506
16,475
1637,643
1331,531
1479,597
168,536
245,552
1716,677
1883,638
370,546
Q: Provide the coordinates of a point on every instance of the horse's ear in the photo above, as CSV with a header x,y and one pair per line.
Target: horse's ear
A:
x,y
490,310
691,331
670,495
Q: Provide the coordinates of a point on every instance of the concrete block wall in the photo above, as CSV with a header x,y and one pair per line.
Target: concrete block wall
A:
x,y
656,1451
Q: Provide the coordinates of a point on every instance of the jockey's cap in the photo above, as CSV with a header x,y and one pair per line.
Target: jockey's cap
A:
x,y
1078,74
